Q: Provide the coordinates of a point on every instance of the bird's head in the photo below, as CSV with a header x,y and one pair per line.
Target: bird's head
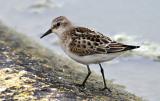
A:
x,y
58,26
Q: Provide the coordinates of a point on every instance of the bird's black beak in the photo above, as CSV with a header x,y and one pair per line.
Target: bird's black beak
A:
x,y
45,34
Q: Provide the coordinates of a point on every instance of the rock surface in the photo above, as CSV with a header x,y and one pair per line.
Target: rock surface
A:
x,y
30,72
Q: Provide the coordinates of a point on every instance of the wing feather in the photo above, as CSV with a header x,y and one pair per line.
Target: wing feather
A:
x,y
87,42
119,47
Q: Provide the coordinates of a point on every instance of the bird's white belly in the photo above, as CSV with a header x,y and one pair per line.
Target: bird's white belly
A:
x,y
92,59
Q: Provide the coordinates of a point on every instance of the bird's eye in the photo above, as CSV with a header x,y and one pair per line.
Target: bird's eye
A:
x,y
58,24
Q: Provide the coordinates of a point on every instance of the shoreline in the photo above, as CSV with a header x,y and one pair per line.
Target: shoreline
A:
x,y
31,72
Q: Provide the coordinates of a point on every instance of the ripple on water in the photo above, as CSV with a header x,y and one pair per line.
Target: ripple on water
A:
x,y
148,49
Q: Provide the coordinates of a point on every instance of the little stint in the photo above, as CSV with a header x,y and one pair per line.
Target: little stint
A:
x,y
86,46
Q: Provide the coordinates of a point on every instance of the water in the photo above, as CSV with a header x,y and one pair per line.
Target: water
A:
x,y
133,22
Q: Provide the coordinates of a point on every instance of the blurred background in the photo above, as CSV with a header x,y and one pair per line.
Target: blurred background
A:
x,y
132,22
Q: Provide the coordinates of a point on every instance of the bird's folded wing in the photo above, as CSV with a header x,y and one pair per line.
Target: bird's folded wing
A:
x,y
115,47
119,47
88,42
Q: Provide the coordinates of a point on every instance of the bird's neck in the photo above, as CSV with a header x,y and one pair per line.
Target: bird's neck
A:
x,y
62,32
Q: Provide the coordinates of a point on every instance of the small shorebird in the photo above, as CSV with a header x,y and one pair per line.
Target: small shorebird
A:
x,y
86,46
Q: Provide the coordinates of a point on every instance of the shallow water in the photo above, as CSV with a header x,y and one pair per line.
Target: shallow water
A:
x,y
133,22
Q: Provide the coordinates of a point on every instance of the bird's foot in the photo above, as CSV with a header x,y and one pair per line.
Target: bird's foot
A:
x,y
80,85
106,88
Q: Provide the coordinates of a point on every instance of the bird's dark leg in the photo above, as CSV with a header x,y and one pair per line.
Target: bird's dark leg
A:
x,y
89,72
104,80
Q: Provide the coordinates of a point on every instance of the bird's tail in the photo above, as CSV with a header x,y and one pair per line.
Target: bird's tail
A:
x,y
119,47
130,47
